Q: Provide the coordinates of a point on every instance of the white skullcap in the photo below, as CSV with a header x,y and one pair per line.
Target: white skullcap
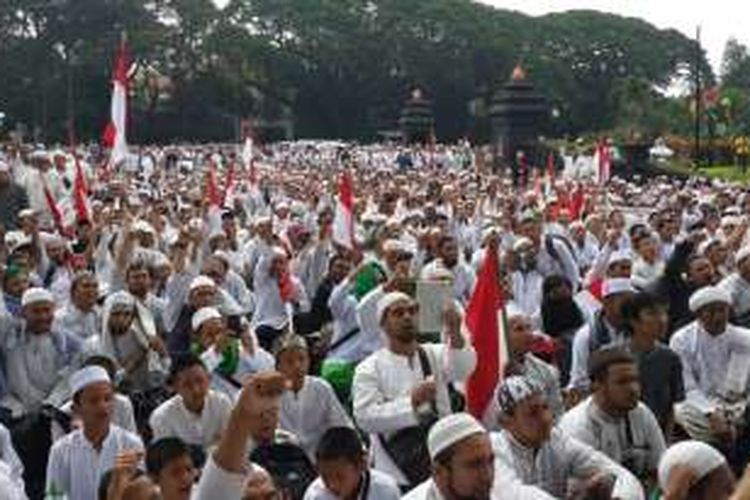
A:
x,y
35,295
202,281
702,458
437,273
490,231
216,232
392,246
741,254
263,219
521,242
450,430
289,342
26,212
619,256
120,299
202,315
512,310
141,226
388,300
16,239
705,245
87,376
730,220
614,286
708,295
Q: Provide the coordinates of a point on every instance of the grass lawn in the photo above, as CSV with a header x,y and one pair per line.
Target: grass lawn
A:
x,y
727,172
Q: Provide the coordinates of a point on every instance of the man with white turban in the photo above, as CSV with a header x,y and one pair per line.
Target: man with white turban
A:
x,y
715,358
405,385
693,469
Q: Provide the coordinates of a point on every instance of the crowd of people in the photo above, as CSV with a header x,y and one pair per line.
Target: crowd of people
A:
x,y
186,326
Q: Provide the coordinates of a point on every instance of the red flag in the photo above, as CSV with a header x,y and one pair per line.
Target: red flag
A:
x,y
577,202
80,196
343,218
604,162
486,336
57,215
212,190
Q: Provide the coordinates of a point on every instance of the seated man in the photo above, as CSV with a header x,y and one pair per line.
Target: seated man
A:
x,y
523,362
77,461
534,460
462,461
226,357
612,420
196,414
344,473
715,363
405,386
309,407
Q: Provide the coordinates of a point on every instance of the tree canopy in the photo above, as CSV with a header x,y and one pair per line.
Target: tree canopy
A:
x,y
343,67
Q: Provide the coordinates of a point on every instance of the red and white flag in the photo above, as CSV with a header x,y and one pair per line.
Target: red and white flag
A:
x,y
212,188
229,186
485,320
115,134
343,218
603,162
54,209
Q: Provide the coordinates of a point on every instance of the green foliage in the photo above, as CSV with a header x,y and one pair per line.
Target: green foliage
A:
x,y
344,66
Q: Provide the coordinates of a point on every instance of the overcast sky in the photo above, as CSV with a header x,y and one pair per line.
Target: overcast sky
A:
x,y
719,19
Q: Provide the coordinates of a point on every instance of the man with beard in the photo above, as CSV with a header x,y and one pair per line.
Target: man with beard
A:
x,y
405,385
561,318
448,258
534,460
81,316
462,461
612,420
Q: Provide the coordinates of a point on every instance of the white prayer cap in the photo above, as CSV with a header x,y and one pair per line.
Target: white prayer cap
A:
x,y
513,310
15,240
614,286
741,254
388,300
702,458
120,300
490,231
222,255
437,273
263,219
619,256
34,295
141,226
708,295
202,281
521,242
87,376
705,245
216,233
392,245
730,220
450,430
289,342
202,315
278,252
26,212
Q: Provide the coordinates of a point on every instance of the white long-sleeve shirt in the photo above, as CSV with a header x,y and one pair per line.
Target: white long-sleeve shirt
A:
x,y
9,456
589,424
172,419
84,324
543,474
343,306
382,393
309,413
712,366
75,467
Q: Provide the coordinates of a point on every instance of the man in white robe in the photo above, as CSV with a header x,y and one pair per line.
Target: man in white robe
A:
x,y
81,315
309,408
535,461
196,414
77,461
392,391
715,358
613,420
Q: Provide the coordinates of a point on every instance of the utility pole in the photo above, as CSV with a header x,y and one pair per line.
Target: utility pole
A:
x,y
698,99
